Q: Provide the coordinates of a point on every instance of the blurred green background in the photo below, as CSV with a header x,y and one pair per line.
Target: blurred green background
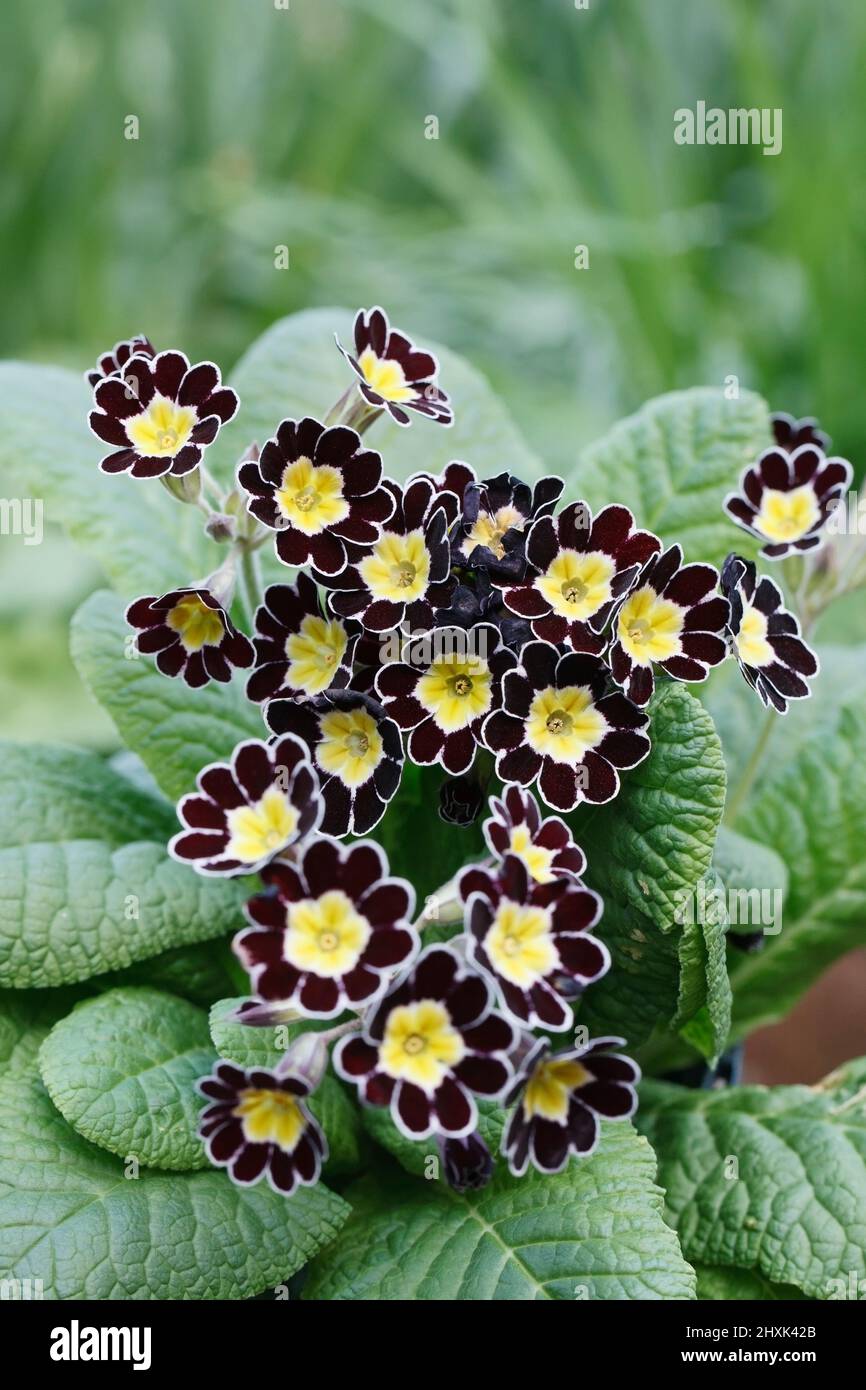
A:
x,y
262,126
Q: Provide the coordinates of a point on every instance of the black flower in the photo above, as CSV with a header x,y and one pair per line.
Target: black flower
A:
x,y
114,360
789,433
431,1043
785,498
330,930
393,374
669,620
159,414
559,727
544,844
497,513
356,749
298,650
257,1124
560,1098
468,1163
320,490
765,637
191,634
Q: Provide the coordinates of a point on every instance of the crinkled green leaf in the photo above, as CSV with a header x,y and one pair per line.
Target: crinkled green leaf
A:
x,y
71,1217
594,1231
122,1069
746,867
145,542
717,1285
26,1017
704,1009
174,730
766,1180
199,973
673,462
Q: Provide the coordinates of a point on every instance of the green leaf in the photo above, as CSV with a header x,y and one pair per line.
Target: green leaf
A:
x,y
673,462
122,1069
330,1103
744,866
722,1285
813,815
420,845
647,850
26,1017
704,1010
199,973
79,908
295,369
174,730
70,1217
766,1180
594,1231
145,542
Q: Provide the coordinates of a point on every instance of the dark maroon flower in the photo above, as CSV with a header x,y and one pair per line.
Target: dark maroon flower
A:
x,y
449,681
545,845
789,433
393,374
672,618
320,490
532,940
330,930
114,360
765,637
477,600
785,498
357,752
247,811
258,1124
496,515
560,1098
577,569
159,414
461,799
468,1163
559,727
406,574
191,634
433,1041
299,651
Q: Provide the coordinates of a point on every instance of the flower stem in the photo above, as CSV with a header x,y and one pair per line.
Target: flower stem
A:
x,y
750,771
251,583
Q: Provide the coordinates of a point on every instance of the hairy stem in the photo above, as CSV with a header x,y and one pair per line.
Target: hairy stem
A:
x,y
750,771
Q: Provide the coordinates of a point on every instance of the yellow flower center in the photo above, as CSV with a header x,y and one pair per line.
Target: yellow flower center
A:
x,y
549,1090
314,654
271,1117
350,746
310,496
263,829
398,567
196,624
489,530
752,645
649,627
325,935
520,945
577,584
456,690
564,724
385,376
537,859
162,429
786,516
421,1045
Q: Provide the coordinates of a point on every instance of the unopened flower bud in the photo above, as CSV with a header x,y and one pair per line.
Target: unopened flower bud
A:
x,y
306,1057
186,487
221,527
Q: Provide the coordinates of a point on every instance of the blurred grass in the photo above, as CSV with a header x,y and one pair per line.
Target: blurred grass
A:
x,y
306,127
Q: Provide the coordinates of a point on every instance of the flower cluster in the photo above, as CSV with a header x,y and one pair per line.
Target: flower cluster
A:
x,y
473,624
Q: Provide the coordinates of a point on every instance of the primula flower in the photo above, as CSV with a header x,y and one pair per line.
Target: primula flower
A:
x,y
246,811
461,799
669,620
257,1124
467,1163
785,498
113,361
320,490
765,637
406,574
789,433
532,940
444,700
356,749
298,651
331,929
577,569
433,1041
393,374
478,600
191,634
560,1098
545,845
159,414
557,726
496,514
